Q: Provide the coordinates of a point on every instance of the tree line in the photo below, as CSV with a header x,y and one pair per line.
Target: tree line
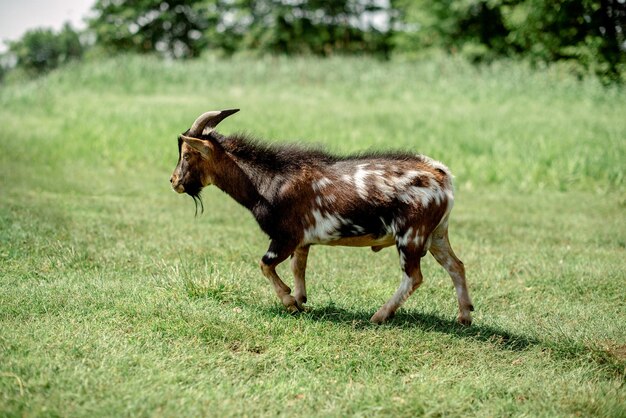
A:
x,y
589,35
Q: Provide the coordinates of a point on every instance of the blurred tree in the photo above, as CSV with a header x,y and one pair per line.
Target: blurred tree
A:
x,y
589,35
475,27
588,32
316,26
41,49
172,27
183,28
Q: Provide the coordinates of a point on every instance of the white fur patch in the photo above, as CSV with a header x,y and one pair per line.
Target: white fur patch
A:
x,y
321,183
360,176
358,229
441,166
325,227
403,292
437,164
404,240
387,190
400,182
388,186
391,228
330,198
271,254
423,195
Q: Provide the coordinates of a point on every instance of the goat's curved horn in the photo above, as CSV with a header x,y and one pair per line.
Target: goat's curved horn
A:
x,y
209,120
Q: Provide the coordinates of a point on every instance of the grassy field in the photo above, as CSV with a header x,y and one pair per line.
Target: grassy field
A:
x,y
116,301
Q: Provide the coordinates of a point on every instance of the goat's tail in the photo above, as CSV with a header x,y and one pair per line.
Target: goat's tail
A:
x,y
447,174
447,188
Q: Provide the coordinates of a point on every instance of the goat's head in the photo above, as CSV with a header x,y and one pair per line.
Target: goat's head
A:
x,y
196,152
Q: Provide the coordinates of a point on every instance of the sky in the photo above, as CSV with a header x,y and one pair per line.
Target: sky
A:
x,y
17,16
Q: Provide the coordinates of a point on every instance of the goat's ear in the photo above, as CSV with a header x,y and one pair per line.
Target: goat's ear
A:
x,y
203,146
205,123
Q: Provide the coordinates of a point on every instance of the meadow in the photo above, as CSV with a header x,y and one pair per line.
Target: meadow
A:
x,y
116,301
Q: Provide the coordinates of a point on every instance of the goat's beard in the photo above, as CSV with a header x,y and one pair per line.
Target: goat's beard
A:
x,y
194,190
197,199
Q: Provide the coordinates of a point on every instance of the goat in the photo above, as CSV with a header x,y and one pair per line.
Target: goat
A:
x,y
301,197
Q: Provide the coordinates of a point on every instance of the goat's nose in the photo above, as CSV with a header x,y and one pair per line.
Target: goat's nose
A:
x,y
172,179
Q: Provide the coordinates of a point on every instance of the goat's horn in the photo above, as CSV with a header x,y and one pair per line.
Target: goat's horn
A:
x,y
209,120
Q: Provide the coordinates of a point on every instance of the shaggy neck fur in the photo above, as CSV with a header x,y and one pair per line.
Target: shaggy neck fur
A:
x,y
266,168
233,180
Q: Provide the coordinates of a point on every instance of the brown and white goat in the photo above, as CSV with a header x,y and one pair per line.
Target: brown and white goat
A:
x,y
302,197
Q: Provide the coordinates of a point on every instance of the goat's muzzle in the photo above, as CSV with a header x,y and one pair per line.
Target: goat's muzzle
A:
x,y
176,185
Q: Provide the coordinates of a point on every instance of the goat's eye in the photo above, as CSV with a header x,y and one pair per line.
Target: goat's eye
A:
x,y
186,157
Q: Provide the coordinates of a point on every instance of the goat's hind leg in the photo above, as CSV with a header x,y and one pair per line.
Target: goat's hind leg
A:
x,y
276,254
442,251
298,267
411,280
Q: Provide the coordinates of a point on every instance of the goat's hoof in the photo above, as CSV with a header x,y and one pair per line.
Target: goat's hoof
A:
x,y
293,309
292,305
289,302
300,301
466,321
381,316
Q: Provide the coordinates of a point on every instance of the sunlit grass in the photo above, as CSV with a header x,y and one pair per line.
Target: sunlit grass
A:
x,y
115,300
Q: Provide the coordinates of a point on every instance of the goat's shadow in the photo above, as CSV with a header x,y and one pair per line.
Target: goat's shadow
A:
x,y
406,319
496,337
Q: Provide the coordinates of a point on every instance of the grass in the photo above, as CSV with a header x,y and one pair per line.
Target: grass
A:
x,y
116,301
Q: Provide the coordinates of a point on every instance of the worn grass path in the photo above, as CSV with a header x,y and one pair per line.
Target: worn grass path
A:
x,y
116,301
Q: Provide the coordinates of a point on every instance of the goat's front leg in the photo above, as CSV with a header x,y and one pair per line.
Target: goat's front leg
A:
x,y
298,267
276,254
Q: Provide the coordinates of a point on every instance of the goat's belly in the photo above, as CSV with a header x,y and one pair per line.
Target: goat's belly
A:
x,y
363,241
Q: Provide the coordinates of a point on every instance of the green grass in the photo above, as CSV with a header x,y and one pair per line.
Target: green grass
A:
x,y
116,301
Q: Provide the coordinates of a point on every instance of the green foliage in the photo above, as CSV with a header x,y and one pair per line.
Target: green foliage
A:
x,y
452,25
585,37
587,33
171,27
315,26
183,28
40,50
115,301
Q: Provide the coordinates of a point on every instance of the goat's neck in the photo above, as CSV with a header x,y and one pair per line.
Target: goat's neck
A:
x,y
266,182
234,181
